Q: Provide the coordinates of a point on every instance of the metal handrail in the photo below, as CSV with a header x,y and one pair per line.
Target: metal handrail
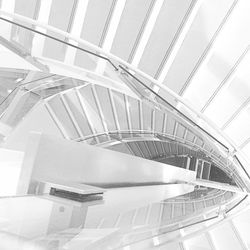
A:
x,y
186,226
115,58
177,140
22,85
108,57
174,108
59,40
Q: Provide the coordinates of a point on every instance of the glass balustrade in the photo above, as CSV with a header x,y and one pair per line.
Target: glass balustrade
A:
x,y
33,221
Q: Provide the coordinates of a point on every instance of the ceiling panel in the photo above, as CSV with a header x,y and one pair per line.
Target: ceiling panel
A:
x,y
97,20
54,49
167,23
131,25
228,101
239,129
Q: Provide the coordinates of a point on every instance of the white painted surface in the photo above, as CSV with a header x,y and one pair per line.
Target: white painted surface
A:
x,y
50,157
9,59
7,5
43,17
107,44
121,200
76,30
38,120
10,168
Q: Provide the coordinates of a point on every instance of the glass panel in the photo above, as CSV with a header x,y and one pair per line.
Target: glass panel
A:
x,y
38,41
119,101
135,149
242,225
21,104
126,219
53,49
206,171
189,208
180,131
224,237
180,149
141,216
166,211
152,149
76,110
122,147
239,129
164,31
230,44
159,120
7,100
103,138
91,109
47,219
169,129
155,215
62,115
159,147
178,210
198,242
84,60
209,202
53,85
230,99
127,36
188,58
91,141
28,42
146,152
173,148
134,112
167,148
190,136
147,116
198,175
10,79
106,106
199,142
246,151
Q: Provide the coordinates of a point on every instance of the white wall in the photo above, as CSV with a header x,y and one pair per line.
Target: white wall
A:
x,y
48,157
38,120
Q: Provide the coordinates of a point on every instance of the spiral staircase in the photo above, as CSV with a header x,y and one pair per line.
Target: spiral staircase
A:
x,y
142,78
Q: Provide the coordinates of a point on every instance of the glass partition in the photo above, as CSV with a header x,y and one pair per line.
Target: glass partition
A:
x,y
37,45
50,222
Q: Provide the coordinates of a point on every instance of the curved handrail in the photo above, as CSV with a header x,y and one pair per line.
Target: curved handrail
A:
x,y
117,59
190,225
208,197
194,146
110,57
